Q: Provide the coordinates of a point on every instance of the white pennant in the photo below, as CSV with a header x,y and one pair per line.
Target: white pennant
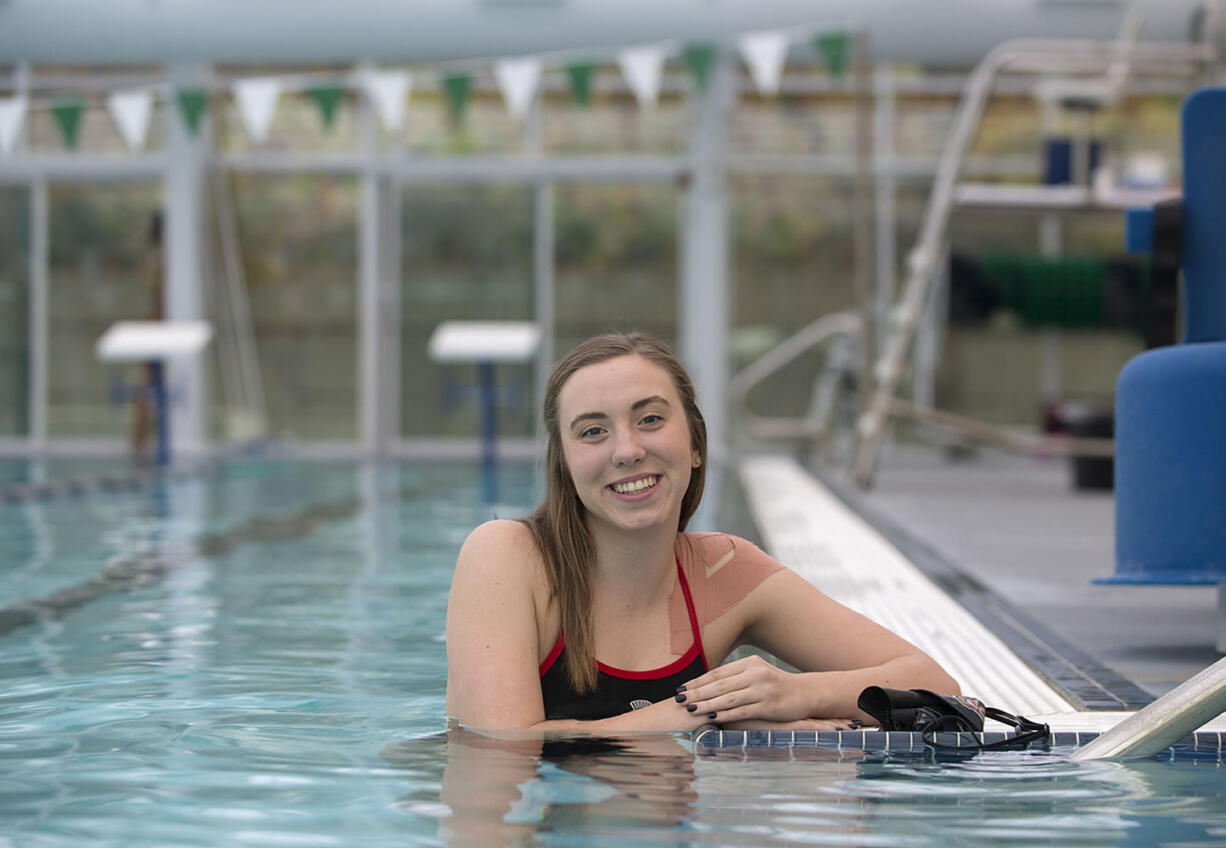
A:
x,y
765,53
12,112
517,80
130,110
257,101
388,91
642,67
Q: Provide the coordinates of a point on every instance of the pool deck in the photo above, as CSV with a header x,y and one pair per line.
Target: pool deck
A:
x,y
986,562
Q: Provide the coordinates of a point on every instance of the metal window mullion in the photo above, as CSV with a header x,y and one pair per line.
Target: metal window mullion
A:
x,y
40,261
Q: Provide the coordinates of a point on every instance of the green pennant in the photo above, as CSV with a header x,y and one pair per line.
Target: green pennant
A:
x,y
192,103
700,58
580,75
834,47
327,97
68,116
456,85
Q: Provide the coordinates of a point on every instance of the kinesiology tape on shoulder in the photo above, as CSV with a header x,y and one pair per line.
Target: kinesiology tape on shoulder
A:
x,y
721,571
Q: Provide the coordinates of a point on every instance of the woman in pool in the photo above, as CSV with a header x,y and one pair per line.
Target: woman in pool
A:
x,y
598,612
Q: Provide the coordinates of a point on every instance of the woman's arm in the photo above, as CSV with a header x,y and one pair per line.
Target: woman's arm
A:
x,y
839,652
493,641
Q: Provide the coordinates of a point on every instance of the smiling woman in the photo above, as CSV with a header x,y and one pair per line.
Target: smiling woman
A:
x,y
598,612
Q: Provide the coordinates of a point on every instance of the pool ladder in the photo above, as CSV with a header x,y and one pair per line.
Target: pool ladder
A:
x,y
1164,722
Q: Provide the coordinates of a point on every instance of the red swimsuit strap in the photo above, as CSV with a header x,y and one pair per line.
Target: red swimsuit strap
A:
x,y
560,644
689,607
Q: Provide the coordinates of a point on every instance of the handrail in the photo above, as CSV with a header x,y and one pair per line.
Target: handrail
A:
x,y
1035,55
1164,722
844,324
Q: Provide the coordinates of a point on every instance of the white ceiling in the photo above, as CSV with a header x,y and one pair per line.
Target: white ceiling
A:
x,y
140,31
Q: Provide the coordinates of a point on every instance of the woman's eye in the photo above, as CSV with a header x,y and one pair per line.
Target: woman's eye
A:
x,y
590,432
652,419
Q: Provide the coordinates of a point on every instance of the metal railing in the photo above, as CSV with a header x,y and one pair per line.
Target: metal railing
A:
x,y
1165,721
844,331
1047,57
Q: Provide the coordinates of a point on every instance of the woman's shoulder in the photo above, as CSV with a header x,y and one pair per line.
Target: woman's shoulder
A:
x,y
501,531
503,545
711,551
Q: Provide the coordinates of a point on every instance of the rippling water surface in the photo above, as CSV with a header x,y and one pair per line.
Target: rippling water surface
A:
x,y
255,657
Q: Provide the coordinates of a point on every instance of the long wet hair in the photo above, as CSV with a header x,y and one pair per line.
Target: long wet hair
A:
x,y
558,525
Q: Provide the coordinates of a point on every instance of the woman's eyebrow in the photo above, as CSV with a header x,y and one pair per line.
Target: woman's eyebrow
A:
x,y
635,407
647,401
584,416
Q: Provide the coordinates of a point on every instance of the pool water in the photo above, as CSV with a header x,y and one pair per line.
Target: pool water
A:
x,y
254,656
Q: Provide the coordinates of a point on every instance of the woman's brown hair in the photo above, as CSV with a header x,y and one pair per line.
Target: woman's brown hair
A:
x,y
557,525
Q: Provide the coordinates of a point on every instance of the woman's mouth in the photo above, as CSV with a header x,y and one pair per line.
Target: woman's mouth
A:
x,y
634,487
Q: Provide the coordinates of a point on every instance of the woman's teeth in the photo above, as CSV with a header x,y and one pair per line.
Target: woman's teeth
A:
x,y
635,486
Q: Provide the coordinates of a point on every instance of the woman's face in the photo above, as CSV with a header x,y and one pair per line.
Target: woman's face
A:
x,y
626,443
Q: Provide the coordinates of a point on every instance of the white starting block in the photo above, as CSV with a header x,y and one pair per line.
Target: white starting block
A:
x,y
485,343
146,341
154,342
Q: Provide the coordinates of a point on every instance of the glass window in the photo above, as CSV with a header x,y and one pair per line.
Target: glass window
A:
x,y
614,122
616,261
466,255
104,267
298,237
485,126
14,311
798,124
792,263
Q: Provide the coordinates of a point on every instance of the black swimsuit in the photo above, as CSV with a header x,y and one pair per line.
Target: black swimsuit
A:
x,y
618,690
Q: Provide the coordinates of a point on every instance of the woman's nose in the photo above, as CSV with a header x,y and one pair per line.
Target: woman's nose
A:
x,y
628,449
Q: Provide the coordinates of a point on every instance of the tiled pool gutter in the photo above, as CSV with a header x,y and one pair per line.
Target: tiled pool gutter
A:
x,y
1204,744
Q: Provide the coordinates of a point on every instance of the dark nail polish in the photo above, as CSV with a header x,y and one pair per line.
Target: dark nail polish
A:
x,y
691,707
681,688
710,715
680,696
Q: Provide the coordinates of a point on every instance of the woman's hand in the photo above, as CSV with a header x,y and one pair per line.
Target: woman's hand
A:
x,y
750,688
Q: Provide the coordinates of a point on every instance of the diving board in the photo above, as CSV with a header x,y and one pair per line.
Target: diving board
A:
x,y
808,529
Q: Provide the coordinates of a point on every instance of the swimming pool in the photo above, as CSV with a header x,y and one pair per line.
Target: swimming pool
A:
x,y
254,656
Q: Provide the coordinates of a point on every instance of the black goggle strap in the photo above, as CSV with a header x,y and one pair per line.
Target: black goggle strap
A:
x,y
1027,731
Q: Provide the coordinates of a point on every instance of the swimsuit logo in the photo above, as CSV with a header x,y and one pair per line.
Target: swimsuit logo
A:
x,y
639,703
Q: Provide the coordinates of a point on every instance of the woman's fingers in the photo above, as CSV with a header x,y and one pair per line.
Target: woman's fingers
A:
x,y
751,687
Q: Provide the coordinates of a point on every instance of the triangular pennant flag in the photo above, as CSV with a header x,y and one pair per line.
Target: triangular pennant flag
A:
x,y
192,103
388,91
68,115
764,53
12,113
517,80
700,58
130,110
257,101
833,48
642,67
456,86
327,98
580,74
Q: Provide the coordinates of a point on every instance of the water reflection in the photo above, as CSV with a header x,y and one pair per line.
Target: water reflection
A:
x,y
651,789
505,788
